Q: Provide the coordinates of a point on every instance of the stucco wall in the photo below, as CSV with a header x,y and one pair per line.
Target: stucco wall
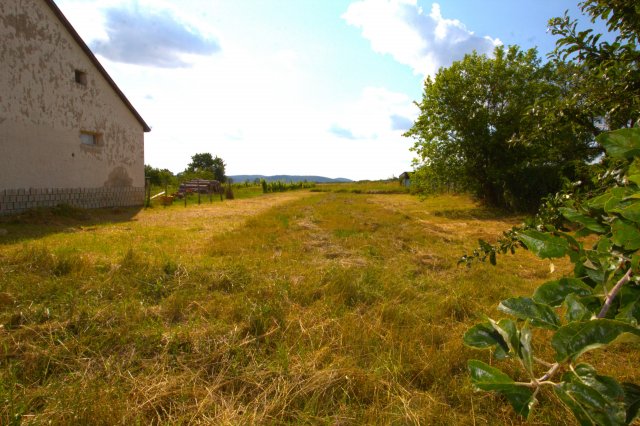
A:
x,y
43,110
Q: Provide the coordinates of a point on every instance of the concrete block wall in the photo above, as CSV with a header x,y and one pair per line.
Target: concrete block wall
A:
x,y
18,200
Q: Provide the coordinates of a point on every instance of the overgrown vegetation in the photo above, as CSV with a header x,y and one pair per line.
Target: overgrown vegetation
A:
x,y
600,303
202,166
475,132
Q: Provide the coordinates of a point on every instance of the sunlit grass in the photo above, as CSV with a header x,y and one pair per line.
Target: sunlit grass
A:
x,y
292,308
363,187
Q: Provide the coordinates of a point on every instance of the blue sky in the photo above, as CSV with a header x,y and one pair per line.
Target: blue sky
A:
x,y
293,86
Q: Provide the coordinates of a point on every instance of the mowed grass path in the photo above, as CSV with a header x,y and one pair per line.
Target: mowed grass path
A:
x,y
294,308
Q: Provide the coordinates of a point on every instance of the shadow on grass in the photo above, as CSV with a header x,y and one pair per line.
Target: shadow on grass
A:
x,y
37,223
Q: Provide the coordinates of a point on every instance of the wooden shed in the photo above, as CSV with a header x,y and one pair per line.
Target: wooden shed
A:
x,y
405,179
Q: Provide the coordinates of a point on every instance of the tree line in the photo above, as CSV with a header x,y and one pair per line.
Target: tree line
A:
x,y
512,128
202,166
530,129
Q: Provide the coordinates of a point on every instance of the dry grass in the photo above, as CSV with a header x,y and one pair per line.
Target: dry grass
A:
x,y
293,308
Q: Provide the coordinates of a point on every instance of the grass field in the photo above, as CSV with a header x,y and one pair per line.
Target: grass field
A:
x,y
303,307
363,187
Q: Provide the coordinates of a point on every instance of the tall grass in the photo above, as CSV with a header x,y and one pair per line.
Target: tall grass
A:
x,y
294,308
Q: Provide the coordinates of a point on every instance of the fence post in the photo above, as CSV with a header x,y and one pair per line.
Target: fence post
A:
x,y
147,187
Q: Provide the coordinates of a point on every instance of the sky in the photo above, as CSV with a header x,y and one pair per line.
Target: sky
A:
x,y
299,87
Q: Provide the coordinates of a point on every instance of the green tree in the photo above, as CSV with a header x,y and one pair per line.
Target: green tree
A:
x,y
474,126
598,230
204,165
158,177
607,78
219,169
200,162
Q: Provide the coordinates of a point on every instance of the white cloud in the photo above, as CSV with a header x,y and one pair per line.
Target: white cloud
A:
x,y
425,42
147,37
378,114
143,32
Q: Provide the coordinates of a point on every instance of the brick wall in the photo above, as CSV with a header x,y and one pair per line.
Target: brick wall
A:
x,y
18,200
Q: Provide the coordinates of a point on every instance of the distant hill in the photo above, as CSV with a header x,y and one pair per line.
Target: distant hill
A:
x,y
288,178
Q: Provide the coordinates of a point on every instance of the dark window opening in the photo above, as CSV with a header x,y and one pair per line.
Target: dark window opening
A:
x,y
81,77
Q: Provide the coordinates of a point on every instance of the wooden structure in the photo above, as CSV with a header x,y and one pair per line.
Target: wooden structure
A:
x,y
405,179
201,186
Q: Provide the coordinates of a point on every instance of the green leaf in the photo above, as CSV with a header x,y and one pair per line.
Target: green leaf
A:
x,y
594,399
625,235
620,198
553,293
605,385
586,221
630,313
598,203
633,174
499,335
485,377
575,338
544,245
482,336
604,247
628,294
500,353
631,212
524,308
509,332
631,401
623,143
526,351
598,276
485,246
635,263
567,397
576,310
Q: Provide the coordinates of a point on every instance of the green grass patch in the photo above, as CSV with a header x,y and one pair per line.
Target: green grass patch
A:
x,y
363,187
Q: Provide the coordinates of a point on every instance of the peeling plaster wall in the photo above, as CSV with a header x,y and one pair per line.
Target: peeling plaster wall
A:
x,y
43,110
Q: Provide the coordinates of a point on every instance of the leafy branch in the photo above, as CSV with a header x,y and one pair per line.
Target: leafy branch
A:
x,y
595,308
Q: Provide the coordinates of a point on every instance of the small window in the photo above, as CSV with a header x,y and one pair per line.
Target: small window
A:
x,y
81,77
90,138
